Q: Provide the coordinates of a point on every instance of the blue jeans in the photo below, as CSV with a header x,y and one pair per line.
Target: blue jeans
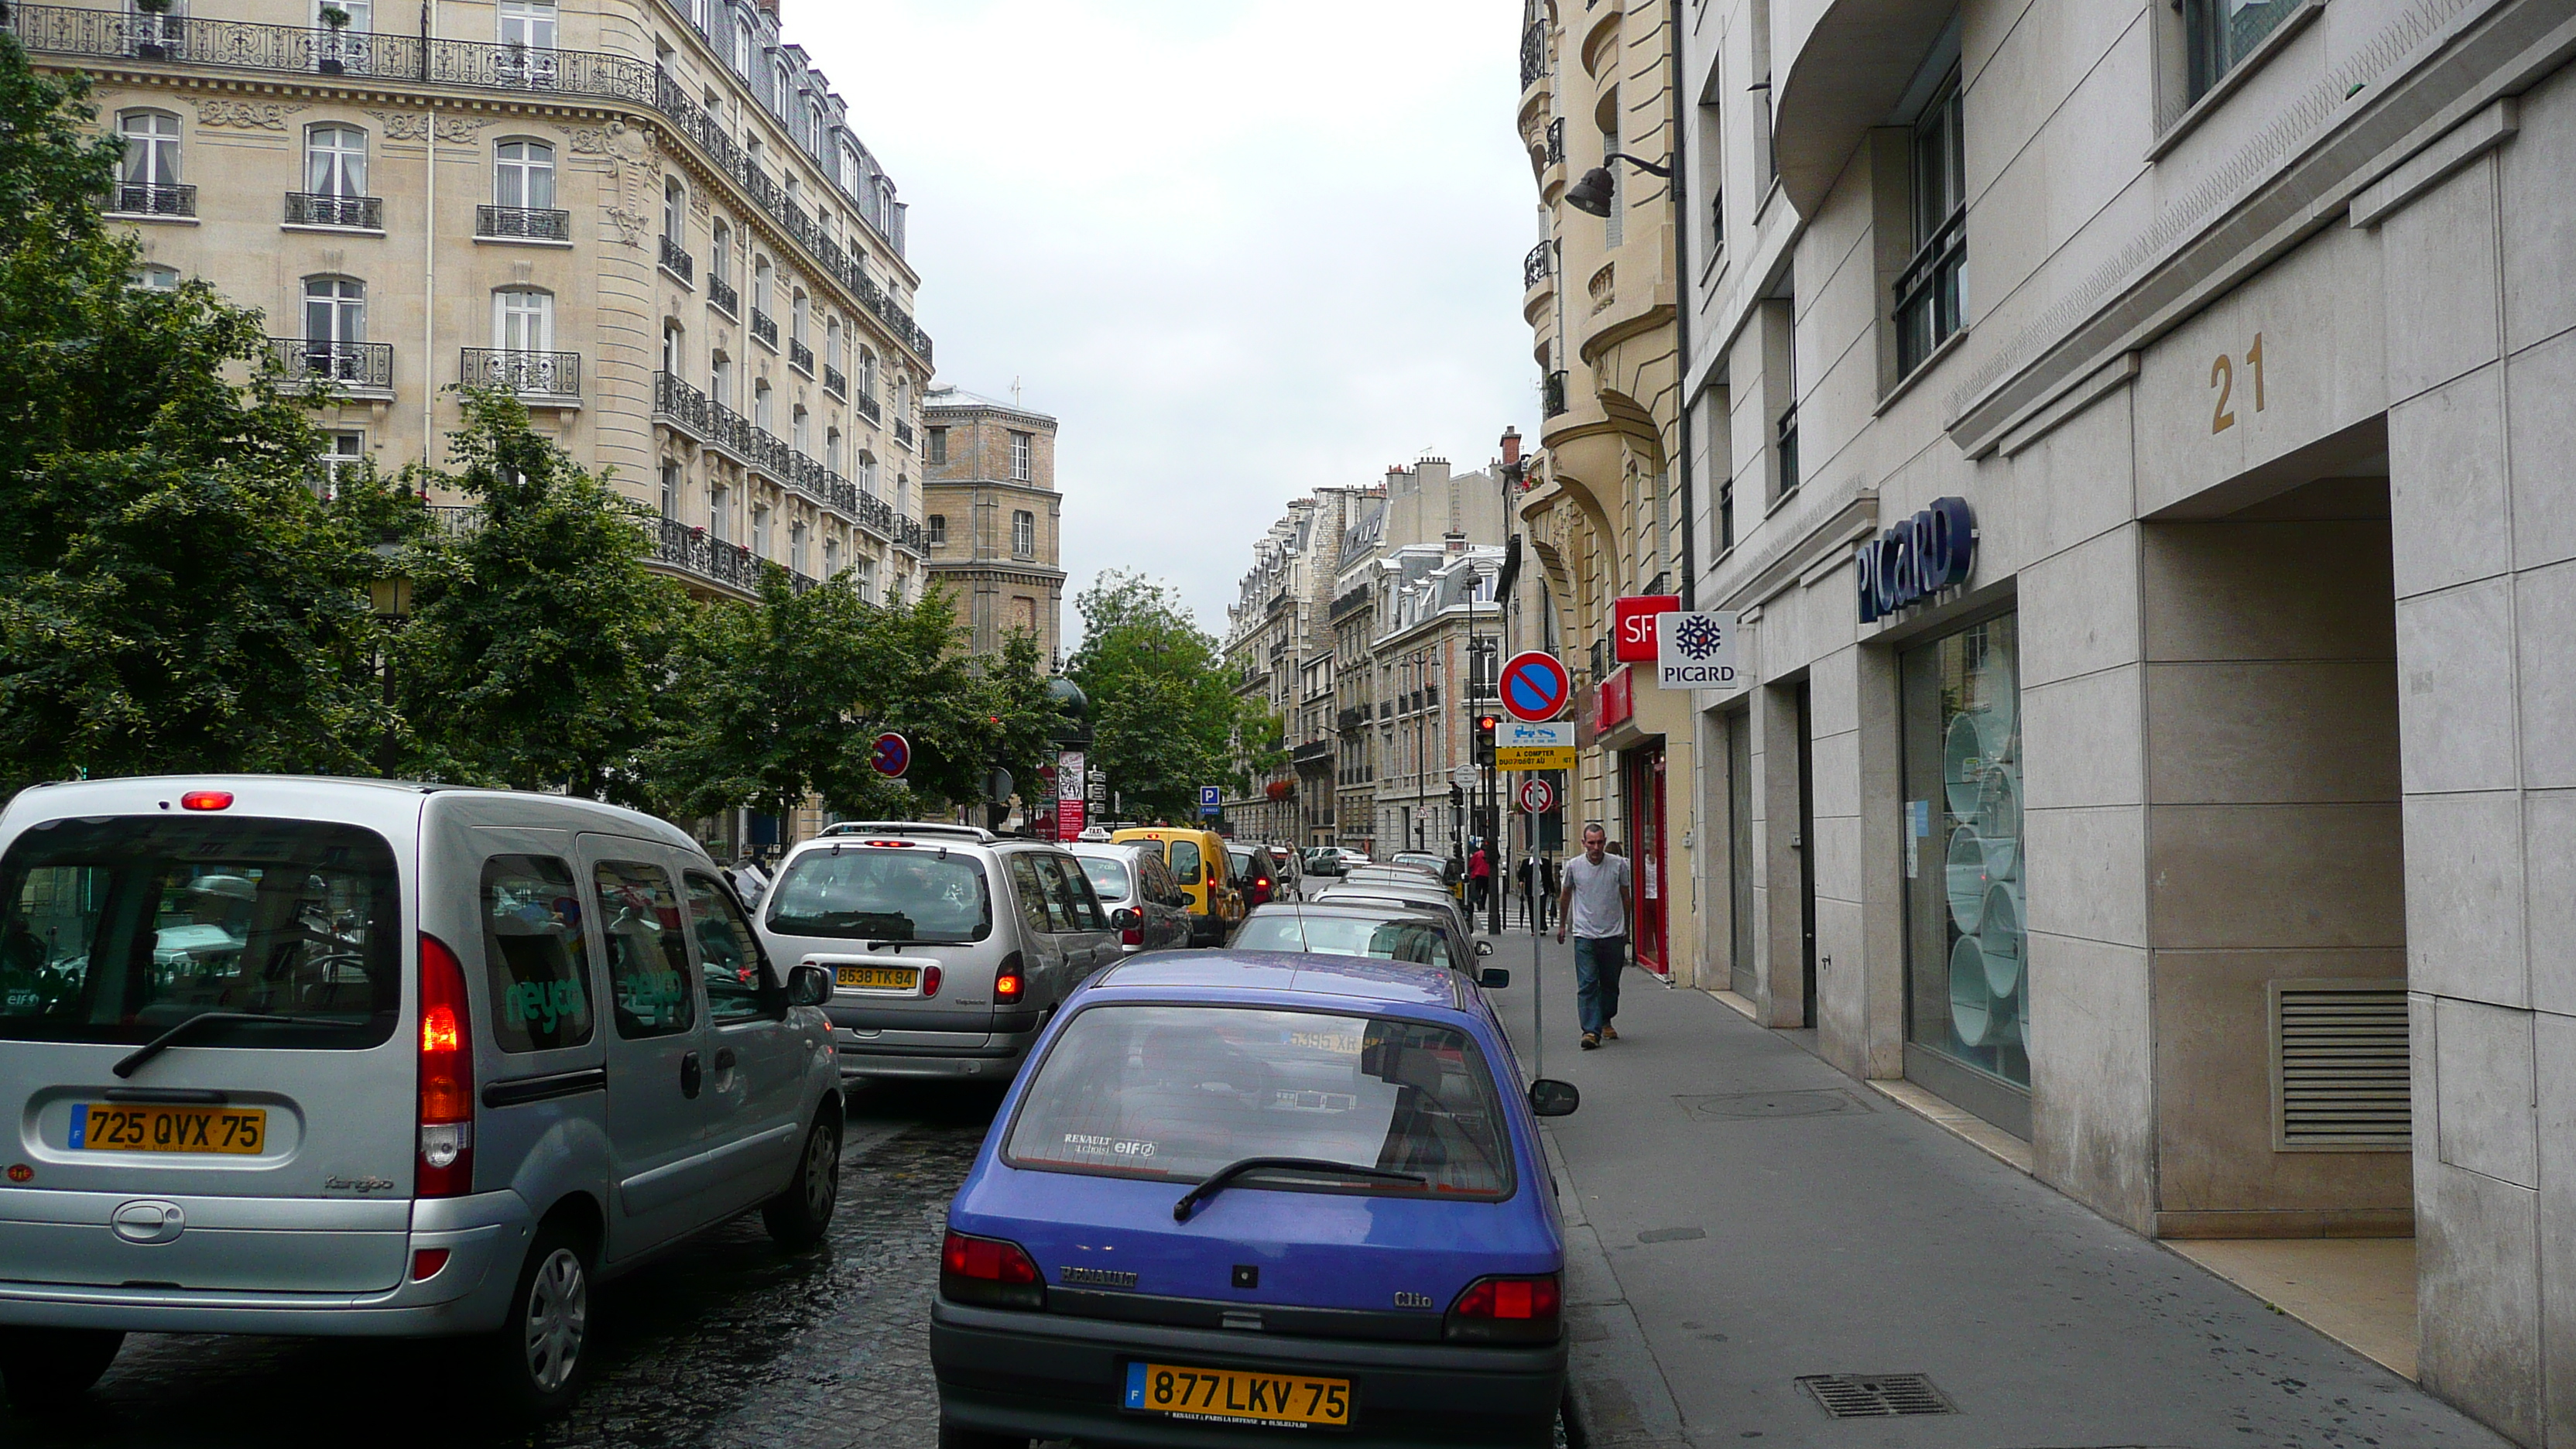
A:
x,y
1597,964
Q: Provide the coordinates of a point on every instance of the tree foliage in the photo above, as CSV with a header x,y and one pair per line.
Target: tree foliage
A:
x,y
1165,718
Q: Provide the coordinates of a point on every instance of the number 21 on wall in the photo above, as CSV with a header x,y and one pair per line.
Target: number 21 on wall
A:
x,y
2222,376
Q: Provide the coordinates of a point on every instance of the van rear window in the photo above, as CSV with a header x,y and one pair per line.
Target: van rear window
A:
x,y
115,930
883,893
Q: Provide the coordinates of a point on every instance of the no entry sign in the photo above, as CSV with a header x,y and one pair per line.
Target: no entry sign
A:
x,y
1535,686
891,756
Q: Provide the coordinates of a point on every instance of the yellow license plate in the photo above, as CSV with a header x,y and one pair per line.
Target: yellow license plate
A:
x,y
877,978
1204,1393
106,1127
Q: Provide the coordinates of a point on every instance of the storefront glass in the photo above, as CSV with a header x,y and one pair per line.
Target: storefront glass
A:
x,y
1966,989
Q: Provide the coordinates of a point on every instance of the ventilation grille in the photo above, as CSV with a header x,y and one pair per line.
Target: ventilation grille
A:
x,y
1876,1396
2339,1066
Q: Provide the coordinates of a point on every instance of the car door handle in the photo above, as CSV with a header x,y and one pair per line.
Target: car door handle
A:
x,y
691,1075
725,1060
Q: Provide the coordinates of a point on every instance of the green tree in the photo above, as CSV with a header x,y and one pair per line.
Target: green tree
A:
x,y
1165,718
1022,713
173,594
538,640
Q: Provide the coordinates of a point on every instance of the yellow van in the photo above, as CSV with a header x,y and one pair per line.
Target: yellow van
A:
x,y
1205,874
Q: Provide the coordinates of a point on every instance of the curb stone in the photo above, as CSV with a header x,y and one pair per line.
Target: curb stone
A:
x,y
1615,1394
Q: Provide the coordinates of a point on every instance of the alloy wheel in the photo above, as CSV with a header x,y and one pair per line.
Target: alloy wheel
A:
x,y
822,1173
558,1316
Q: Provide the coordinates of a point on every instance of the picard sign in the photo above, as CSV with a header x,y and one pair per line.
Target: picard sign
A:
x,y
1695,650
1917,559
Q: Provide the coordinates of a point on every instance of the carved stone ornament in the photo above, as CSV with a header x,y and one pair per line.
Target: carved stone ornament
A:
x,y
414,126
632,164
247,115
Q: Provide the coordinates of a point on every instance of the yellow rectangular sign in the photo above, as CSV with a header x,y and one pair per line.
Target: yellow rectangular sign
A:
x,y
1538,757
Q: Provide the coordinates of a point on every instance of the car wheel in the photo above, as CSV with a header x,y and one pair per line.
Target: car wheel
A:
x,y
798,1217
46,1368
953,1437
540,1357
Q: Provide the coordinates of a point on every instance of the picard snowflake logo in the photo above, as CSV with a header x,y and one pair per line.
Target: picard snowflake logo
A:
x,y
1698,636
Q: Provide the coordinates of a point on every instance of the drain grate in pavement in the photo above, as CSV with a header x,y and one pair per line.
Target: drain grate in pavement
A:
x,y
1744,1106
1876,1396
1671,1235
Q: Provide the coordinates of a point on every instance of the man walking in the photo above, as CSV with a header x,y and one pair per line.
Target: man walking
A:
x,y
1480,876
1595,902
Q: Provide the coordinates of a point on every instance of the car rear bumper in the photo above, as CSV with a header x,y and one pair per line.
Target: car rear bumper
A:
x,y
1052,1377
990,1057
485,1237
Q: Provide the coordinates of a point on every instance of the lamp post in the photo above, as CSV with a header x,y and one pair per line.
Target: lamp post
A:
x,y
1592,193
389,595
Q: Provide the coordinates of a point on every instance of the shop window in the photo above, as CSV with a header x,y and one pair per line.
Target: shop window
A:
x,y
1967,986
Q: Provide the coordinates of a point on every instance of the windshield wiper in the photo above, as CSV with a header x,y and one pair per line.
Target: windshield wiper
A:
x,y
876,946
1215,1182
134,1062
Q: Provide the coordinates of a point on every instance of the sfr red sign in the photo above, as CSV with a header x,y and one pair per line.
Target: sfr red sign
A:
x,y
1632,623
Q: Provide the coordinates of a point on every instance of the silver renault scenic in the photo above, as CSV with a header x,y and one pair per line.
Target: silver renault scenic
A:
x,y
336,1057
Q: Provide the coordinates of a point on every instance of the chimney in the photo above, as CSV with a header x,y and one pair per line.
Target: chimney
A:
x,y
1453,542
1511,447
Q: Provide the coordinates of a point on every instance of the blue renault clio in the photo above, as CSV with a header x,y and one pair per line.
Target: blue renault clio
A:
x,y
1237,1196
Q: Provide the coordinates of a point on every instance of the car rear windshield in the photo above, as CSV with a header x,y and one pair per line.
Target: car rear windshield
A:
x,y
1177,1092
1108,877
883,893
1420,941
117,929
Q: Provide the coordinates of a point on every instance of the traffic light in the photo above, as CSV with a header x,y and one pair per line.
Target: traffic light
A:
x,y
1485,724
1457,798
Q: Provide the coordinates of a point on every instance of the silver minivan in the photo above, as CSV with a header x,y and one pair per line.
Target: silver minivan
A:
x,y
342,1057
948,945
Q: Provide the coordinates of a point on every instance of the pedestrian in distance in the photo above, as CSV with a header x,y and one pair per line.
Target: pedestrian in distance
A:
x,y
1528,870
1480,874
1595,904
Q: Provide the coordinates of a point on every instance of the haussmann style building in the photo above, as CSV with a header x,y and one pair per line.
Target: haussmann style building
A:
x,y
993,519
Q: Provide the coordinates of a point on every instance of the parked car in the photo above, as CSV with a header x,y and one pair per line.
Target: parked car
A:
x,y
1440,867
1150,910
1248,1190
1325,860
1416,893
1360,926
1202,866
349,1057
1256,873
947,944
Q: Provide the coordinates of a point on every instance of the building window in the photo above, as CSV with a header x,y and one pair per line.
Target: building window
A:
x,y
868,374
831,558
1022,446
937,529
523,176
1930,293
1024,534
2220,33
760,530
760,396
342,450
335,161
720,252
523,320
937,446
151,149
720,379
670,490
796,424
335,312
832,449
796,546
720,512
1967,992
675,210
528,23
867,580
902,494
155,278
796,307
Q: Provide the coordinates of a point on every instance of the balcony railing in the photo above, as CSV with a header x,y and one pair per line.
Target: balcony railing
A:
x,y
357,213
679,402
1534,267
678,263
720,293
692,550
834,382
764,327
911,537
903,432
548,374
877,517
347,364
1556,141
1533,53
522,223
136,198
1552,393
867,406
800,357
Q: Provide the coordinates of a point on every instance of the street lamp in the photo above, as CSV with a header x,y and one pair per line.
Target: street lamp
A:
x,y
389,595
1592,193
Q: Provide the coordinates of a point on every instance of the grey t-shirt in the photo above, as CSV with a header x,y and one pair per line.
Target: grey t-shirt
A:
x,y
1598,914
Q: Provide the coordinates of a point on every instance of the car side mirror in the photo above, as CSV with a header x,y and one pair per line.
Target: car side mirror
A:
x,y
1551,1098
808,986
1493,978
1126,918
1484,948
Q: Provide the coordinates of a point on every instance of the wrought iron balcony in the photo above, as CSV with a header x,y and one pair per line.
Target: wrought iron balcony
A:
x,y
693,551
522,223
903,432
764,327
867,406
729,430
680,403
912,537
800,357
1556,141
544,374
1534,267
136,198
877,517
357,213
1552,393
834,382
720,293
1533,53
677,262
345,364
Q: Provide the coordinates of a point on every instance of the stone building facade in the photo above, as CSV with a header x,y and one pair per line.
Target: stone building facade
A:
x,y
993,518
650,221
2136,442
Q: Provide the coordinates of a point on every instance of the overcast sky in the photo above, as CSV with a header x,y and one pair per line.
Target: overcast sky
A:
x,y
1238,248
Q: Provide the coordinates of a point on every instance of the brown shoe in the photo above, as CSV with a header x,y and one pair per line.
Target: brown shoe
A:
x,y
1609,1032
1590,1041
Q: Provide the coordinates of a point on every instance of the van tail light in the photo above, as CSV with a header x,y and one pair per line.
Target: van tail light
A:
x,y
426,1263
988,1273
1010,984
446,1164
929,982
1506,1310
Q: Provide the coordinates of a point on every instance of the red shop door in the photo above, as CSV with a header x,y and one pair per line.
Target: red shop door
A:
x,y
1642,786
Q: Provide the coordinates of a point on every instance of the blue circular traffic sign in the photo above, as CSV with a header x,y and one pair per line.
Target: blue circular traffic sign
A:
x,y
1535,686
891,756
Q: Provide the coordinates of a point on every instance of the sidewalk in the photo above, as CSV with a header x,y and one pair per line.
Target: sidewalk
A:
x,y
1741,1216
